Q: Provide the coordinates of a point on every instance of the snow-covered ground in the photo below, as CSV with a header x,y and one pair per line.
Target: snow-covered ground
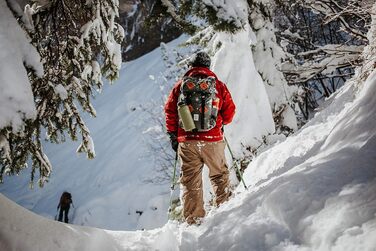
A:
x,y
314,191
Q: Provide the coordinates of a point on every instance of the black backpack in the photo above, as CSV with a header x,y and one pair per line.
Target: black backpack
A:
x,y
198,93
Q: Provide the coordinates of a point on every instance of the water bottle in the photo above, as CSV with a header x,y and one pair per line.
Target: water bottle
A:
x,y
186,117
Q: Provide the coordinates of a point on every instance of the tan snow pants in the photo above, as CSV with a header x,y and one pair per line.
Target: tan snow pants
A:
x,y
193,156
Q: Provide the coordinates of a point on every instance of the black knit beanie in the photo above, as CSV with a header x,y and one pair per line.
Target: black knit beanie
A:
x,y
201,59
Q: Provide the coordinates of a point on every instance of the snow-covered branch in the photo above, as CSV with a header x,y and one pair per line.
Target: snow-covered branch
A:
x,y
348,13
323,60
223,16
78,42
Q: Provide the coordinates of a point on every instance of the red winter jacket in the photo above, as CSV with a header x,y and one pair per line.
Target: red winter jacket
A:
x,y
226,110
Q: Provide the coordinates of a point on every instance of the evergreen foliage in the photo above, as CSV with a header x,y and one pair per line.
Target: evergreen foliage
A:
x,y
79,42
187,12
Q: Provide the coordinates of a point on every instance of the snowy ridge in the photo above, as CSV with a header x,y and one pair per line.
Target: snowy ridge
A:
x,y
314,191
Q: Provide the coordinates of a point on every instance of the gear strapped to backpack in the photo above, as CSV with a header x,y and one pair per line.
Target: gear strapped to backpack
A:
x,y
198,104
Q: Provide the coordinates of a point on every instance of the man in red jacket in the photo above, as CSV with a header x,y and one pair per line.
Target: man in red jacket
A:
x,y
196,148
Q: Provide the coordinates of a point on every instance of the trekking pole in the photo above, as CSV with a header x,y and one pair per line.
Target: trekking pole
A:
x,y
236,164
57,211
172,188
174,173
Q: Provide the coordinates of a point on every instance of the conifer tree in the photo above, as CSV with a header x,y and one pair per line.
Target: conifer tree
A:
x,y
269,58
79,43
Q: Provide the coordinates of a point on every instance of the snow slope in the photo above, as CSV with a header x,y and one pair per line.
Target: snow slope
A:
x,y
314,191
108,190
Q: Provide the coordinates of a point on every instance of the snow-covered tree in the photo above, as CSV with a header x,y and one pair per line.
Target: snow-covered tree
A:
x,y
324,40
16,97
78,42
192,16
269,57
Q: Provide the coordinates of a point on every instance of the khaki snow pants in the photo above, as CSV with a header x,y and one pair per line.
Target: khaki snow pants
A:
x,y
193,156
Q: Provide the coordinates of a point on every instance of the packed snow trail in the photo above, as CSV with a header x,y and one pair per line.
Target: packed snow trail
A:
x,y
314,191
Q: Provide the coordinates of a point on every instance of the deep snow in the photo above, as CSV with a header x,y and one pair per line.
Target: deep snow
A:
x,y
314,191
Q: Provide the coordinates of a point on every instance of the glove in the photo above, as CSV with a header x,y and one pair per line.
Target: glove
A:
x,y
174,141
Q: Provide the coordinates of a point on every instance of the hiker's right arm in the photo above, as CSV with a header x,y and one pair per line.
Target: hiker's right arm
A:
x,y
171,110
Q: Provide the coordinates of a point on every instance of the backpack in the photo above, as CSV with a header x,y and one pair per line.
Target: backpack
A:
x,y
198,93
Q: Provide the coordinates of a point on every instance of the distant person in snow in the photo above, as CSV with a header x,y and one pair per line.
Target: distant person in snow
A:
x,y
64,205
196,110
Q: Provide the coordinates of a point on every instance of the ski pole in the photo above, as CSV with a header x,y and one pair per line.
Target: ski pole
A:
x,y
57,212
172,188
236,164
174,173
